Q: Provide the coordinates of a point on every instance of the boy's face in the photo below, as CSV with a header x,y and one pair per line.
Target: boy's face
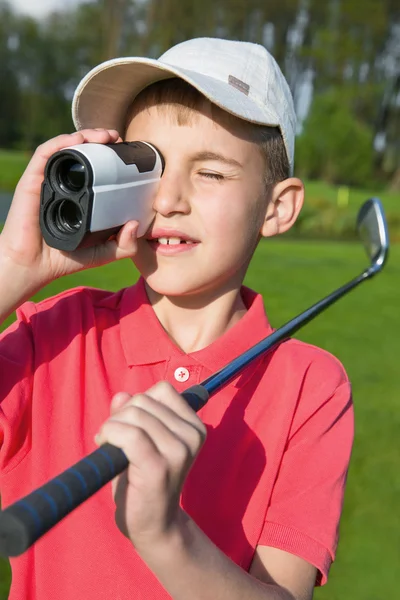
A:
x,y
212,194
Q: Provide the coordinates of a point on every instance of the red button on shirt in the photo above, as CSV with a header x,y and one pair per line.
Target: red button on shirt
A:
x,y
181,374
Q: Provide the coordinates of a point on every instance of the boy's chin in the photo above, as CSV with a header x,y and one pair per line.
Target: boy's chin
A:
x,y
171,286
180,286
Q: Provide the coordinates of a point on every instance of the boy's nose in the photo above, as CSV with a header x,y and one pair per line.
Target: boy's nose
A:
x,y
171,197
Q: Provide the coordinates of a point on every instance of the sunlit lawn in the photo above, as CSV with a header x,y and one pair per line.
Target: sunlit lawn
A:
x,y
363,331
12,165
319,190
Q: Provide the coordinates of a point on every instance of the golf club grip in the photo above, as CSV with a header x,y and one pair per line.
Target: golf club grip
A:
x,y
25,521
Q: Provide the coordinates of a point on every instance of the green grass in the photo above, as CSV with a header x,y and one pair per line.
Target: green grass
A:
x,y
362,330
319,190
12,165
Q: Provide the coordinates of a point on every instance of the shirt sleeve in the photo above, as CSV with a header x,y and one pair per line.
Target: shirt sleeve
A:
x,y
306,502
16,377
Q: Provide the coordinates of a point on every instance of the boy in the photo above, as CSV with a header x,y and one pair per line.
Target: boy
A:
x,y
257,515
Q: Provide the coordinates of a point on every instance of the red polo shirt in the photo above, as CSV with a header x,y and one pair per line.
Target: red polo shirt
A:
x,y
272,470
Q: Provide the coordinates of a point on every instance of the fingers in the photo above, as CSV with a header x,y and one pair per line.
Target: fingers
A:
x,y
161,436
123,246
149,444
164,402
100,135
36,166
167,429
166,394
163,416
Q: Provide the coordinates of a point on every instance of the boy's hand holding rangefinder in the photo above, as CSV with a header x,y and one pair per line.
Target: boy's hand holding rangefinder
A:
x,y
52,231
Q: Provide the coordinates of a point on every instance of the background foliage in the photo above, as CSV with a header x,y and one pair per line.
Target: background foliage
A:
x,y
342,63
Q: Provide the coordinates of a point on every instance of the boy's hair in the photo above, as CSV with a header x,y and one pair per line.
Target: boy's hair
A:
x,y
186,99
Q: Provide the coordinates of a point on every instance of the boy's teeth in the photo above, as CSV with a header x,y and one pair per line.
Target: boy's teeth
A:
x,y
169,241
174,240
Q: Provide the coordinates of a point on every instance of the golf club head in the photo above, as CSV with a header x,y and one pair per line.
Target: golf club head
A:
x,y
372,229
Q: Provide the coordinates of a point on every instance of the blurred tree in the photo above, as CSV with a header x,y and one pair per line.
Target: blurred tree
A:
x,y
334,145
323,47
9,97
113,14
46,70
357,53
171,21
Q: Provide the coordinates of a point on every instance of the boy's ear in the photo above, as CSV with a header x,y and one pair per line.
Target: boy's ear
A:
x,y
283,207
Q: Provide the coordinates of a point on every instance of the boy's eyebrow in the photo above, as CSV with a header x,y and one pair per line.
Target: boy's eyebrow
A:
x,y
208,155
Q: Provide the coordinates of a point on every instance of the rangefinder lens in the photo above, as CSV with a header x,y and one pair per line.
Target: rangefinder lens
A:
x,y
68,217
71,175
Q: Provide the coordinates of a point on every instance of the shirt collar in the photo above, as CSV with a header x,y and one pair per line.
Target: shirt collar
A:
x,y
145,341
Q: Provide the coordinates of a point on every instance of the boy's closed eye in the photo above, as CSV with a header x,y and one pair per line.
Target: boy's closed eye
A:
x,y
231,166
210,175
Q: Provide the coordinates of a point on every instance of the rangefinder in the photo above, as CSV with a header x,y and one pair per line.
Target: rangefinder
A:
x,y
90,190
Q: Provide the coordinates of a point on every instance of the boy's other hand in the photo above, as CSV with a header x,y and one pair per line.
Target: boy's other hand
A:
x,y
161,437
22,248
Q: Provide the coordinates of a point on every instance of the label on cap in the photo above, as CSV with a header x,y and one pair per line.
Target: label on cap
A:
x,y
239,85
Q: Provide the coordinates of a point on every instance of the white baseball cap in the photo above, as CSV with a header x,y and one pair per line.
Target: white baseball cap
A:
x,y
240,77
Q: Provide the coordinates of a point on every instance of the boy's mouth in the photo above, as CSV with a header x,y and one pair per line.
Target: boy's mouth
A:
x,y
170,241
173,241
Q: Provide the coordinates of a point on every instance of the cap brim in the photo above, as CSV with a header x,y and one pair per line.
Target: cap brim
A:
x,y
105,94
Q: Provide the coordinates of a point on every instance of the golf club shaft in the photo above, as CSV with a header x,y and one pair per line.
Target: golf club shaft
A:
x,y
216,381
25,521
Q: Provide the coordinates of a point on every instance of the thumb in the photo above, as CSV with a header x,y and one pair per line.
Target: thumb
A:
x,y
124,245
126,240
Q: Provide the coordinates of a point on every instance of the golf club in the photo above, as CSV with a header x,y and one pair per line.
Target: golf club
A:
x,y
25,521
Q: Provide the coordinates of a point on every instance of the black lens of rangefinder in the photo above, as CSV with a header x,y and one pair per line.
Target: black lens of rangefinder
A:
x,y
71,175
68,217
